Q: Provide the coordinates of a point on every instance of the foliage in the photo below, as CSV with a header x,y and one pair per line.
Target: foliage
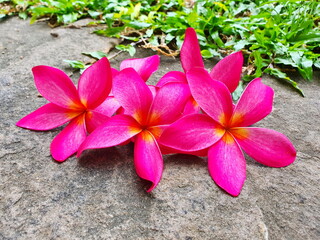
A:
x,y
275,36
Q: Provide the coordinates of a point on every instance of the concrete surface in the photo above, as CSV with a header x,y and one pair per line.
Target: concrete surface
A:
x,y
99,196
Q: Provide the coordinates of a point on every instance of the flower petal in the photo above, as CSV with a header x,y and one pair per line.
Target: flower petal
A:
x,y
173,76
47,117
192,133
94,119
153,90
55,86
227,165
109,107
143,66
168,104
69,139
254,104
157,131
95,83
212,96
115,131
133,94
191,107
114,72
266,146
229,70
147,158
190,53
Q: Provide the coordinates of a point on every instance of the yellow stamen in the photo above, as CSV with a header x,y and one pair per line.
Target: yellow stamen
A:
x,y
227,138
147,136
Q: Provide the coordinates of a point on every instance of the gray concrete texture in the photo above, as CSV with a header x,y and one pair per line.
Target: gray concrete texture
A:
x,y
99,196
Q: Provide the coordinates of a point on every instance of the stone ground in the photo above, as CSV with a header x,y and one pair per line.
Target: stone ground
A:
x,y
99,196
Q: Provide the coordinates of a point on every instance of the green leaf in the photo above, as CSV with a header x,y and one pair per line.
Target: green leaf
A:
x,y
96,55
138,25
75,64
259,62
306,73
94,14
285,61
307,37
240,45
136,11
110,32
23,15
127,48
281,75
305,62
206,54
149,32
306,68
296,56
69,18
317,63
217,39
237,93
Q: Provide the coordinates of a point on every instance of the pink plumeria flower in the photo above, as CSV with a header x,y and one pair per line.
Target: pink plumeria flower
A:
x,y
145,67
228,70
145,119
224,130
82,106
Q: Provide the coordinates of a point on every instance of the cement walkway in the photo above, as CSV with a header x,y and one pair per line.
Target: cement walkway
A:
x,y
100,196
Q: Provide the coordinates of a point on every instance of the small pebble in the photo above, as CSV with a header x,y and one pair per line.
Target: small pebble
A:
x,y
54,34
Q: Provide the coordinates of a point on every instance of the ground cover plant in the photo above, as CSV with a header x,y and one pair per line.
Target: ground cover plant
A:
x,y
276,37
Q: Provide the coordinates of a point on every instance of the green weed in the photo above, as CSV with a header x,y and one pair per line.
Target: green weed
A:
x,y
275,36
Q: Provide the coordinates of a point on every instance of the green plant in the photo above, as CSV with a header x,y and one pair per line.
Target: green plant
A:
x,y
275,36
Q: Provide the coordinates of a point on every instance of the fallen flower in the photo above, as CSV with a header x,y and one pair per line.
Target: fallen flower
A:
x,y
144,120
79,106
228,70
224,130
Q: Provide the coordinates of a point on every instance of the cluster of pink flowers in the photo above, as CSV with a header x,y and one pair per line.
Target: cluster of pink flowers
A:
x,y
189,112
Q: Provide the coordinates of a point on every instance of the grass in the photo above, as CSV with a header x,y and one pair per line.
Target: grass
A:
x,y
276,37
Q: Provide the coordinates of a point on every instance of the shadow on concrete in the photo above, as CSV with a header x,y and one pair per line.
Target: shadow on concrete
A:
x,y
106,158
185,160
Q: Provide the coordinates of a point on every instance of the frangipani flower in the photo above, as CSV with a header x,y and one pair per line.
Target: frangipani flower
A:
x,y
228,70
82,106
224,130
144,120
145,67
